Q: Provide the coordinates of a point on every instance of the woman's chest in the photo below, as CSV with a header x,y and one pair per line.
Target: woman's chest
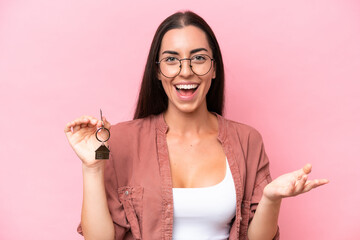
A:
x,y
199,163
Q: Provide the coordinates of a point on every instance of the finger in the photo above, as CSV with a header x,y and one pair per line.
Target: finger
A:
x,y
307,168
106,123
67,129
99,124
84,122
314,184
298,174
300,185
310,185
76,125
91,121
85,119
103,121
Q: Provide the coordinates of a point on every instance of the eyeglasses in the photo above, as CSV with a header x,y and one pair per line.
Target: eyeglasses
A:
x,y
199,64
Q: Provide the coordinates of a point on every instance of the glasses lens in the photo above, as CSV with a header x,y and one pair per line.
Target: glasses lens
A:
x,y
170,66
201,64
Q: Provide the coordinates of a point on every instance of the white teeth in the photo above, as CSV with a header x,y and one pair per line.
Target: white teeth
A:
x,y
186,86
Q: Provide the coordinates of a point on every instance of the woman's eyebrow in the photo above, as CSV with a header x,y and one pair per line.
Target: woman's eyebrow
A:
x,y
170,52
198,50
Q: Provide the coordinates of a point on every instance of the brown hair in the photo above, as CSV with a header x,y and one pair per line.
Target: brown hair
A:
x,y
152,97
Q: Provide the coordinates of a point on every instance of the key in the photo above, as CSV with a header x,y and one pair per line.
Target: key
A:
x,y
102,152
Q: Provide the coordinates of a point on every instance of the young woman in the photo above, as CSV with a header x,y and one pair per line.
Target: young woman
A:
x,y
180,170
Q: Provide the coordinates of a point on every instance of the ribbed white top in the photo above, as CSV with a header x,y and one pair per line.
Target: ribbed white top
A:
x,y
205,213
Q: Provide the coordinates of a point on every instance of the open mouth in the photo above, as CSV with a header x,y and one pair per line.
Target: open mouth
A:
x,y
186,89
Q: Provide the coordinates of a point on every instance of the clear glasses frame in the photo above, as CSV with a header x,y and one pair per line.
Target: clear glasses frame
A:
x,y
184,59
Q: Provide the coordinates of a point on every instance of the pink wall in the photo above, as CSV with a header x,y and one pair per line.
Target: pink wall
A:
x,y
293,71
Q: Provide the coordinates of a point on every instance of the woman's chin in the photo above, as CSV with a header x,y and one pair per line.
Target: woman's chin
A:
x,y
189,108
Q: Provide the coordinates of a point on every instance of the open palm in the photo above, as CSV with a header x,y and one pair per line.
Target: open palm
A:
x,y
292,184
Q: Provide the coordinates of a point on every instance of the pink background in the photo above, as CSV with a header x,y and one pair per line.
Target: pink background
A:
x,y
293,72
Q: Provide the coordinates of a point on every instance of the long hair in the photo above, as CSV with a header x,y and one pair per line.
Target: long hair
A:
x,y
152,97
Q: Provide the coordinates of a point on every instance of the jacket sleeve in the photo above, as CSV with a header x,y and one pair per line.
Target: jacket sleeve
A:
x,y
116,207
258,174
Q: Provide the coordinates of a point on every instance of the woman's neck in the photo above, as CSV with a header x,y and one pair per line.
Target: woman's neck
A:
x,y
194,123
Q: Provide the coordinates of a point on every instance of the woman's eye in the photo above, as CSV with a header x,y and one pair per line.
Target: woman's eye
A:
x,y
198,58
170,59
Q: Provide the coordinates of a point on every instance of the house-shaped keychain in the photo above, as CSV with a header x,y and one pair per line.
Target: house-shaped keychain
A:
x,y
102,152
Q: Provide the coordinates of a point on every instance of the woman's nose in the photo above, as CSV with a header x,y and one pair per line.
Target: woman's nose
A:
x,y
185,68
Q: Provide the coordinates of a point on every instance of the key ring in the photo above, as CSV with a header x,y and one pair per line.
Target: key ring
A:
x,y
99,129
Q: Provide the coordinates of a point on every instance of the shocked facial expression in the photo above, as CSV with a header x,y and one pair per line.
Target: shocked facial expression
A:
x,y
186,85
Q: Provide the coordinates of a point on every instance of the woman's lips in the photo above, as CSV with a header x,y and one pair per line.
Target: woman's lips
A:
x,y
186,94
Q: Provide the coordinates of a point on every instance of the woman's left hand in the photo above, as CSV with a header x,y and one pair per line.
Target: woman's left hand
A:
x,y
292,184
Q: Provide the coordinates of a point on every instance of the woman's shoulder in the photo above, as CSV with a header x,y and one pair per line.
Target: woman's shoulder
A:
x,y
242,130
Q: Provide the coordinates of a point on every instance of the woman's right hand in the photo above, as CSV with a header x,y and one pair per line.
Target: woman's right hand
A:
x,y
81,136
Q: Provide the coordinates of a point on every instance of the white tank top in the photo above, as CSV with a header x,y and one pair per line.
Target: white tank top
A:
x,y
205,213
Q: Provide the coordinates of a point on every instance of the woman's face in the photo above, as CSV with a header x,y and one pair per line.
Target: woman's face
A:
x,y
186,91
